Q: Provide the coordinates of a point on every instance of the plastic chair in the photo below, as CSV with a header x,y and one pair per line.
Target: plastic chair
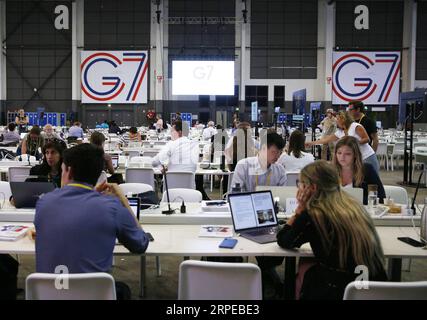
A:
x,y
140,175
77,286
5,190
135,188
291,178
356,193
382,154
387,291
142,160
399,194
180,179
205,280
18,174
150,154
182,194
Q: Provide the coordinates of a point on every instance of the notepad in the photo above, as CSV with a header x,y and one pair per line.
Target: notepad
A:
x,y
12,232
215,231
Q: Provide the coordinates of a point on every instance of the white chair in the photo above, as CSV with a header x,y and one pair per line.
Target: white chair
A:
x,y
382,154
5,190
204,280
18,174
77,286
387,291
135,188
230,179
291,178
180,179
421,157
399,194
182,194
398,151
140,175
356,193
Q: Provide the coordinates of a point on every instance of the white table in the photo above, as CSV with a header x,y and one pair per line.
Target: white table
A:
x,y
183,240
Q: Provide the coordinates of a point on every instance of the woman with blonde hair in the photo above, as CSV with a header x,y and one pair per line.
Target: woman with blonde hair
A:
x,y
348,127
340,231
352,171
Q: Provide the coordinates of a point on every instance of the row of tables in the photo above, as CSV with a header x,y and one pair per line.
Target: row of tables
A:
x,y
178,235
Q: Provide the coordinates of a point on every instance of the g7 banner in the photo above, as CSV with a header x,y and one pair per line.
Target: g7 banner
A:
x,y
372,77
114,76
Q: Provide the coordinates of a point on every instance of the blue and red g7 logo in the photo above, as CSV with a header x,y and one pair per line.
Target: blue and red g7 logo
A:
x,y
114,76
372,77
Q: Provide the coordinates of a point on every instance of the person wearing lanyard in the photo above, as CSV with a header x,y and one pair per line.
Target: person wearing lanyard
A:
x,y
356,108
262,170
77,225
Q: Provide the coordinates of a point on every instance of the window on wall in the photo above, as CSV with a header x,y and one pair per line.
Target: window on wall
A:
x,y
38,56
256,93
385,26
421,50
201,30
115,25
283,39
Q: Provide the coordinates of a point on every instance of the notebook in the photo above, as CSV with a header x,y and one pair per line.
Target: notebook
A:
x,y
253,215
135,205
26,194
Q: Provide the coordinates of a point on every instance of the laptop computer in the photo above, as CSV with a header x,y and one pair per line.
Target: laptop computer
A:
x,y
253,215
135,205
26,194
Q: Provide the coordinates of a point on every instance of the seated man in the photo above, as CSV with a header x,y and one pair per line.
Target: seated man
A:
x,y
77,226
10,136
262,170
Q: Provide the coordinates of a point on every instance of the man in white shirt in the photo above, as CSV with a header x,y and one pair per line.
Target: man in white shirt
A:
x,y
209,131
262,170
180,154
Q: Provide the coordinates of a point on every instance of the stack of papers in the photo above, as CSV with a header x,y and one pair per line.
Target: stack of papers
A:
x,y
12,232
216,231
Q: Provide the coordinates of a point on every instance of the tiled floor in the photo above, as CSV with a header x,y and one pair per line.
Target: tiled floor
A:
x,y
166,286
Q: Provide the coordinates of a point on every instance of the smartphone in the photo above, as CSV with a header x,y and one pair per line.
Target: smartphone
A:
x,y
411,241
228,243
150,236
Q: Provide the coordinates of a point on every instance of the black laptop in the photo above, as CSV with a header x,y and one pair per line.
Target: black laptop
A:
x,y
26,194
135,205
254,216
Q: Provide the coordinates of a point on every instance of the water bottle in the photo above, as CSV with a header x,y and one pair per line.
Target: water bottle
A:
x,y
423,223
408,210
372,196
237,188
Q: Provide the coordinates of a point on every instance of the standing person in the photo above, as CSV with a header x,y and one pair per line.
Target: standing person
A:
x,y
356,109
340,231
159,123
77,226
22,121
329,126
347,127
352,171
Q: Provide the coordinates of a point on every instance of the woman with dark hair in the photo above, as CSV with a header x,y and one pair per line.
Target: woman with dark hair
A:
x,y
50,169
295,158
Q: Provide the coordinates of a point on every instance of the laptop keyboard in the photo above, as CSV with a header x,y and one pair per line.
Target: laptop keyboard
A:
x,y
261,231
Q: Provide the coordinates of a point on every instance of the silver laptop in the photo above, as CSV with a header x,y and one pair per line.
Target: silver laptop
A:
x,y
254,216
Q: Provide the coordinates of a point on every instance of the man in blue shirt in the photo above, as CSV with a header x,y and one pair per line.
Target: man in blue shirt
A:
x,y
77,226
76,130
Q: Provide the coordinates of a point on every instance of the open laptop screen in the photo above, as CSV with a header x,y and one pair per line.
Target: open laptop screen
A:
x,y
135,204
252,210
115,160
